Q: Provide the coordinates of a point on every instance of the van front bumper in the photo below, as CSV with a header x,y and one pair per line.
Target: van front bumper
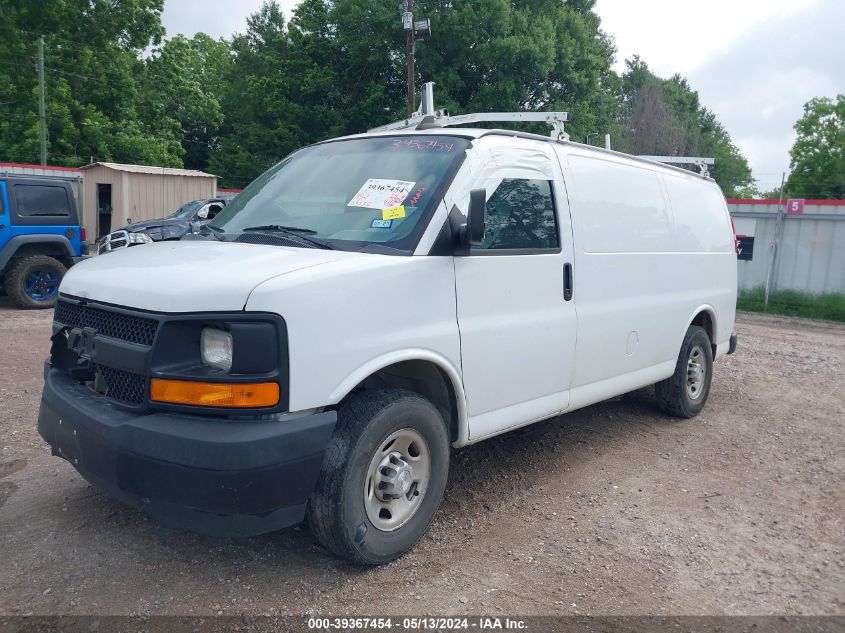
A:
x,y
219,476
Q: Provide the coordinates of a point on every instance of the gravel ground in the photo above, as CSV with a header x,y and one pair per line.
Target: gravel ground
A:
x,y
615,509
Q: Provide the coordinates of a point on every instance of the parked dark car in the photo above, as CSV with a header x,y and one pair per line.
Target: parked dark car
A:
x,y
186,219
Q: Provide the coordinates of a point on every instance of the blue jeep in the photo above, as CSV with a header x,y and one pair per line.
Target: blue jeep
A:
x,y
40,238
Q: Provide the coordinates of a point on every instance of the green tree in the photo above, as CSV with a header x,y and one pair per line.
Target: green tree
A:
x,y
334,69
665,117
817,166
339,68
771,194
92,61
488,55
182,87
256,130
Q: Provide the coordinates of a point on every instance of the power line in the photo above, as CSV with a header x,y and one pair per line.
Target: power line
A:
x,y
71,74
79,45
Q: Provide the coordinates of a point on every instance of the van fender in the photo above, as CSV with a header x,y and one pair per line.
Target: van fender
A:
x,y
398,356
12,246
711,312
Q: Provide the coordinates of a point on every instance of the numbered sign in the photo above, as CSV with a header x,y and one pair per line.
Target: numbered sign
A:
x,y
795,206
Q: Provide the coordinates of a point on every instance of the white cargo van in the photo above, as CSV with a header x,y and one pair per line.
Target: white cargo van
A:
x,y
370,302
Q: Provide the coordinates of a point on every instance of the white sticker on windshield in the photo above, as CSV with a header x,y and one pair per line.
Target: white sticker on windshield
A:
x,y
380,193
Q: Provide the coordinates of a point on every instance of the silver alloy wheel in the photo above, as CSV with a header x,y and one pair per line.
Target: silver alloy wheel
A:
x,y
696,372
397,479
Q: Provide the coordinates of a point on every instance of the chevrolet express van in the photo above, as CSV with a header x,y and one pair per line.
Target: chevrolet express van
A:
x,y
370,302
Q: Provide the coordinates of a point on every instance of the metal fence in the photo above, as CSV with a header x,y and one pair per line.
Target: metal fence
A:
x,y
810,250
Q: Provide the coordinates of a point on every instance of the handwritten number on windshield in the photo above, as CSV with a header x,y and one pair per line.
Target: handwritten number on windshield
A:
x,y
422,145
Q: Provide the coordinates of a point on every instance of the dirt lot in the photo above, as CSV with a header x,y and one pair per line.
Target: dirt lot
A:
x,y
615,509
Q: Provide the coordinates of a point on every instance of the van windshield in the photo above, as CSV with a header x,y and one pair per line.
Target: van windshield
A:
x,y
350,194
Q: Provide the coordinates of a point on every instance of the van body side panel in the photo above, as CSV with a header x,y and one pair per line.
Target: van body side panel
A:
x,y
626,283
638,286
703,232
363,313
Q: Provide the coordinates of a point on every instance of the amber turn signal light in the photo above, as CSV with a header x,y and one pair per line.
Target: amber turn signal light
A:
x,y
215,394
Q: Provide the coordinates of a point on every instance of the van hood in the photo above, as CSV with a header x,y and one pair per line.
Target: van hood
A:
x,y
193,276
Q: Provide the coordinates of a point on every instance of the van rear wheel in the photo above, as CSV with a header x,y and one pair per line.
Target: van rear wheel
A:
x,y
684,394
383,476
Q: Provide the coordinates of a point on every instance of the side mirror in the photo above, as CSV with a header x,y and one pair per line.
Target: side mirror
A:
x,y
472,233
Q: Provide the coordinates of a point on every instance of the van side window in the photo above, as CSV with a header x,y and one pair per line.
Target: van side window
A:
x,y
41,200
521,215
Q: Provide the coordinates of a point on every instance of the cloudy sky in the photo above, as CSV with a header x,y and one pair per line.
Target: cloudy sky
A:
x,y
753,62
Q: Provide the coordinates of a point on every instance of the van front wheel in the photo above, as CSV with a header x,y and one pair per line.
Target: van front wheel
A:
x,y
383,476
685,392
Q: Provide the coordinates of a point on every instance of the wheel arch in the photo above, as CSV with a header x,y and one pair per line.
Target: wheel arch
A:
x,y
705,316
57,246
422,371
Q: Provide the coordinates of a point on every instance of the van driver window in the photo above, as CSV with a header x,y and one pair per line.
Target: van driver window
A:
x,y
521,215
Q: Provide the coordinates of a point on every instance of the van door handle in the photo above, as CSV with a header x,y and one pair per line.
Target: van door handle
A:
x,y
567,281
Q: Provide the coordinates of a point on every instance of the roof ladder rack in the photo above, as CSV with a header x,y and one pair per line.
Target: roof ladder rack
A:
x,y
703,164
427,117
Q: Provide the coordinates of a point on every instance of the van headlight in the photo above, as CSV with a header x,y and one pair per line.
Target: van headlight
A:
x,y
216,348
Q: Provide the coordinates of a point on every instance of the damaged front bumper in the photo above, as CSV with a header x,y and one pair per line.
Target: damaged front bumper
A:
x,y
215,475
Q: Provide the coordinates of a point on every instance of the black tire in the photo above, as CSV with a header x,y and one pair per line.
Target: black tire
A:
x,y
336,510
15,281
675,395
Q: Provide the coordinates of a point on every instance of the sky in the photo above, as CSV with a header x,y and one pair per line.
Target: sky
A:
x,y
753,62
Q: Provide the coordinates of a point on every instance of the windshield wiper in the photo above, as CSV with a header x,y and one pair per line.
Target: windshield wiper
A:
x,y
281,227
216,229
296,231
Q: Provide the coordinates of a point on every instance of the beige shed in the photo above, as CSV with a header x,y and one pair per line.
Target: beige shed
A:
x,y
115,194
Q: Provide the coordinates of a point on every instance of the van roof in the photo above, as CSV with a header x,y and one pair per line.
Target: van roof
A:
x,y
468,132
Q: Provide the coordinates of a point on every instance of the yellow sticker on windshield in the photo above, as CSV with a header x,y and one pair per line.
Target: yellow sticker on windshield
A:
x,y
393,213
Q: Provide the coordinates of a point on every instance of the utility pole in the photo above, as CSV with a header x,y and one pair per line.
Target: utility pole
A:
x,y
417,29
773,252
410,52
42,116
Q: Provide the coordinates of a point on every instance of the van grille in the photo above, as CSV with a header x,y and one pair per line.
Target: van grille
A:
x,y
124,327
123,386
